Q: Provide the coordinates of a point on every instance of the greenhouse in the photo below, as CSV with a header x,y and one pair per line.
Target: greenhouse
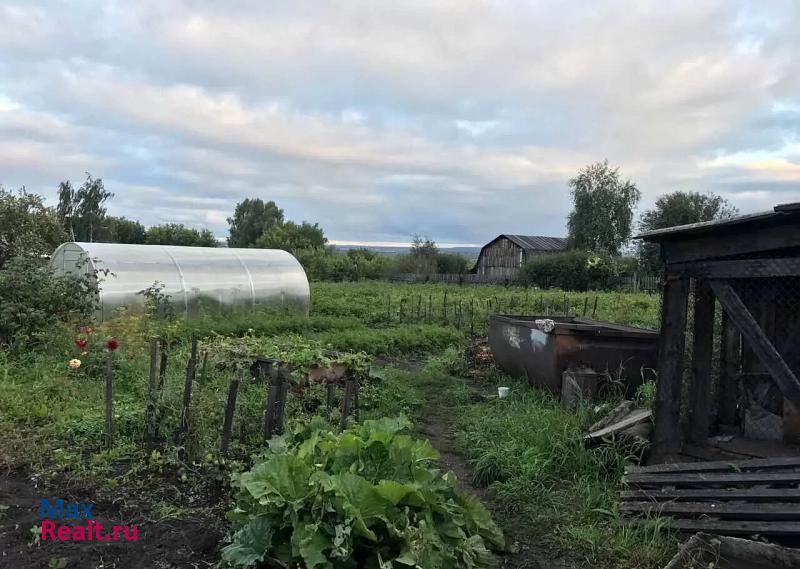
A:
x,y
196,279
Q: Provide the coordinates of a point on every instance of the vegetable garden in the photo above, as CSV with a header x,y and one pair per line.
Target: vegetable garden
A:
x,y
312,455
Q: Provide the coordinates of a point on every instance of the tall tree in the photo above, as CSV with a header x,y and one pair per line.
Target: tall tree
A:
x,y
293,237
82,212
251,219
679,208
124,230
179,234
424,253
28,228
603,204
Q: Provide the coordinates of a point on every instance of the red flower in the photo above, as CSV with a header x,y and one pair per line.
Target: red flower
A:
x,y
81,343
112,344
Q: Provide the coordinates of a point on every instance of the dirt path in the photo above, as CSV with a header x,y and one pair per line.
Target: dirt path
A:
x,y
437,427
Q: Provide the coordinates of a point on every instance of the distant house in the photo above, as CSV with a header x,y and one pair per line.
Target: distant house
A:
x,y
505,254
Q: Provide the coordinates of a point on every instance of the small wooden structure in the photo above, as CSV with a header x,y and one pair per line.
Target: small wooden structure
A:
x,y
742,363
505,254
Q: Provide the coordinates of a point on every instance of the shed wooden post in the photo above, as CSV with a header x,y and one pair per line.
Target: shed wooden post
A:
x,y
728,386
670,366
702,350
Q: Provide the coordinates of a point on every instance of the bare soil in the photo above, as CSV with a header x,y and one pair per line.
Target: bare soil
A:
x,y
161,544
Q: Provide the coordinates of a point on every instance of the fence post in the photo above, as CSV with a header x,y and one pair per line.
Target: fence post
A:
x,y
444,308
348,394
472,316
269,411
585,304
191,368
430,308
162,368
594,310
152,392
108,430
230,407
203,369
330,388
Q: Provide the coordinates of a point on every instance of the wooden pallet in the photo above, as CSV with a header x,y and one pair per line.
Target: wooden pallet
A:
x,y
746,497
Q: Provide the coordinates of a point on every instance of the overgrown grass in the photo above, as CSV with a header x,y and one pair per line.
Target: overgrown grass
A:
x,y
529,451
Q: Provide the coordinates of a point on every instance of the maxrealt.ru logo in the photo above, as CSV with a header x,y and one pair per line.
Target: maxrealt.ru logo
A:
x,y
76,511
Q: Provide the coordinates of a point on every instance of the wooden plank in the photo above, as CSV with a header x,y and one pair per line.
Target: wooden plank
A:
x,y
729,366
732,527
670,367
736,240
718,494
702,352
719,466
739,269
630,420
727,510
711,478
758,340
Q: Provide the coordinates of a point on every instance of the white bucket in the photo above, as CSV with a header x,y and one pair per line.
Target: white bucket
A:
x,y
502,392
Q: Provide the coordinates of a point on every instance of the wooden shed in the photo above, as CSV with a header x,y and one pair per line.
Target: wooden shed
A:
x,y
729,353
505,254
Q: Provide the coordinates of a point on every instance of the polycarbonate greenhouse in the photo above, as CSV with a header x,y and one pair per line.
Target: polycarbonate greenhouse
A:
x,y
197,279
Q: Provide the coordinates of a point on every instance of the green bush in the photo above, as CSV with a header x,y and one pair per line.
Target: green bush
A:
x,y
577,270
35,302
369,497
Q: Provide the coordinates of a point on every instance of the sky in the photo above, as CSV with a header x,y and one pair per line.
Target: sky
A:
x,y
455,119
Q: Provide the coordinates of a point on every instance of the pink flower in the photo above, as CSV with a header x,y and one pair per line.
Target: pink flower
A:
x,y
74,363
112,344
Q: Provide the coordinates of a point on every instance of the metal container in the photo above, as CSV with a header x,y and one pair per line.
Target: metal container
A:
x,y
542,352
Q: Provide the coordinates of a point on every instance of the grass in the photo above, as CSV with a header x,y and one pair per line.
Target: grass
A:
x,y
528,450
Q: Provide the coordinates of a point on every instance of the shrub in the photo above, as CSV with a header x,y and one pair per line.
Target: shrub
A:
x,y
369,497
577,270
34,301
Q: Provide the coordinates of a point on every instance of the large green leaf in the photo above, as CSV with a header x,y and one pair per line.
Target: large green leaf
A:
x,y
310,542
250,544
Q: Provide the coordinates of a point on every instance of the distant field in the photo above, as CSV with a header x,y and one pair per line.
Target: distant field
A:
x,y
470,305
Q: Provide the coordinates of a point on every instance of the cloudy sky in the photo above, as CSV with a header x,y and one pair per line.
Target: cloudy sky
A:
x,y
456,119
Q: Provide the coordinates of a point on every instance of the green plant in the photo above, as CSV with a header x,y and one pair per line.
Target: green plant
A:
x,y
36,303
369,497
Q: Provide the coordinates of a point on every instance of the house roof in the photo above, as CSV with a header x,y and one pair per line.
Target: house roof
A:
x,y
536,242
778,212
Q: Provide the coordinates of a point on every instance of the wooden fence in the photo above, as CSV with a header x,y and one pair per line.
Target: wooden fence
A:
x,y
631,283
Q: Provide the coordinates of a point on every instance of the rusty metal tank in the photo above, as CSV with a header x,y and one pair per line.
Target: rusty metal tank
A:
x,y
541,352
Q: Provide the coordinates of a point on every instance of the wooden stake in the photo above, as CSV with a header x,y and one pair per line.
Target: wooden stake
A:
x,y
152,393
203,368
162,368
330,389
269,411
191,367
348,393
109,424
230,407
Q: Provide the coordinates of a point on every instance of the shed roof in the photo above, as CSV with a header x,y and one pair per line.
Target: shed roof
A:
x,y
779,212
536,242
